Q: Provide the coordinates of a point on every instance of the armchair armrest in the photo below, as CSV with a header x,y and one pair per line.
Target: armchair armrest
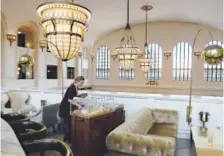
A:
x,y
137,144
25,109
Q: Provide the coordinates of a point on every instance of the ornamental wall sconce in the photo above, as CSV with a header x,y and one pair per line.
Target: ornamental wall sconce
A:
x,y
11,38
167,54
152,83
42,45
197,53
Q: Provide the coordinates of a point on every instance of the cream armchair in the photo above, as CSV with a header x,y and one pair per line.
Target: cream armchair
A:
x,y
144,135
20,101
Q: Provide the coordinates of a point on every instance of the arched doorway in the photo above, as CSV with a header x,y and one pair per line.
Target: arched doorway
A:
x,y
28,43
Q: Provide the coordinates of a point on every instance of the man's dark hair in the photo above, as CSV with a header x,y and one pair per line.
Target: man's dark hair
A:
x,y
79,78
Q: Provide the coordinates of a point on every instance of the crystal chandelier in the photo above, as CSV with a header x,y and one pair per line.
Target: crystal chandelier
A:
x,y
145,63
64,24
128,51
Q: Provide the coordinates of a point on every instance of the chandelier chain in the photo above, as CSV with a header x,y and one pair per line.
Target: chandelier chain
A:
x,y
146,27
128,12
128,27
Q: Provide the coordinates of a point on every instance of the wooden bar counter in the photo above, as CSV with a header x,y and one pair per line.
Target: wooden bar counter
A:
x,y
89,131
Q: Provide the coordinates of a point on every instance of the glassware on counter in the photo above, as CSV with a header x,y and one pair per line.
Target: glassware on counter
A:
x,y
93,106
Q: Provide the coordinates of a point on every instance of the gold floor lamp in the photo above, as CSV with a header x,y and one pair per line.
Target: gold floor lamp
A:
x,y
212,54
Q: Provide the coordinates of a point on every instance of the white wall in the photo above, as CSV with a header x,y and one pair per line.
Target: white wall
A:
x,y
10,55
134,102
167,35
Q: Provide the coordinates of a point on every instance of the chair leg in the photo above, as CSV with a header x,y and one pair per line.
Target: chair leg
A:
x,y
54,130
58,127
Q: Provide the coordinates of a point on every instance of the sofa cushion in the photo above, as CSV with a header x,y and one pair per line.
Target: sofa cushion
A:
x,y
165,116
140,145
164,129
139,123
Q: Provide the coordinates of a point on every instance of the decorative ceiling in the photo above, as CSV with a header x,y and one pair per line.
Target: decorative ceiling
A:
x,y
110,15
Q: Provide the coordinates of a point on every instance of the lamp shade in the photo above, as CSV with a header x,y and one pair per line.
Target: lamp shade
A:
x,y
145,64
64,24
127,56
26,60
213,54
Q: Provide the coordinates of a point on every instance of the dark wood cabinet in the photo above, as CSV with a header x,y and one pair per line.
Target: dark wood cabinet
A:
x,y
89,134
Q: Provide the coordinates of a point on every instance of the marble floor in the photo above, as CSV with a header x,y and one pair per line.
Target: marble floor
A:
x,y
183,147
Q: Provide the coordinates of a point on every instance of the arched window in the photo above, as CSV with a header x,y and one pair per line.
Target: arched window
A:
x,y
214,72
182,60
154,52
103,63
126,74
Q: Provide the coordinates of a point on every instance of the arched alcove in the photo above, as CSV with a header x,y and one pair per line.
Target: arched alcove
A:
x,y
28,43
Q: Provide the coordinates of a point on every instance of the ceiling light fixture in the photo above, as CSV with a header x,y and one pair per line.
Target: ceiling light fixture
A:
x,y
64,25
145,63
128,51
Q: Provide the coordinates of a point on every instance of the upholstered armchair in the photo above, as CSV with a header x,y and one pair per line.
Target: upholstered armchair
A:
x,y
14,117
47,147
29,130
20,101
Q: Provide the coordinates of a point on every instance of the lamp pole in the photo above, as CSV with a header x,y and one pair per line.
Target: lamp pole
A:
x,y
62,66
189,107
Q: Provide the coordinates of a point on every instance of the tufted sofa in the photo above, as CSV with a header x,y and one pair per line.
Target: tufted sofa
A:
x,y
150,132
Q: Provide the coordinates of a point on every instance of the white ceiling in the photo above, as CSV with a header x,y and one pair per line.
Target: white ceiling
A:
x,y
109,15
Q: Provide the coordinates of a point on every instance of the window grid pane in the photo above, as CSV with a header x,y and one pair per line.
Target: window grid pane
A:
x,y
182,61
70,72
154,52
214,72
126,74
103,63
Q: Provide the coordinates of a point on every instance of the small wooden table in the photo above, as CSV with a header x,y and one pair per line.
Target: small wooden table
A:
x,y
89,132
208,142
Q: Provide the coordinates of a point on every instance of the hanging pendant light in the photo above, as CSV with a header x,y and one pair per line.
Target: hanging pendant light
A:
x,y
26,60
64,24
145,63
128,51
213,54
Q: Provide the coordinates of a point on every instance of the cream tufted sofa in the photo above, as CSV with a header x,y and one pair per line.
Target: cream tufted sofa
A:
x,y
20,101
150,132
